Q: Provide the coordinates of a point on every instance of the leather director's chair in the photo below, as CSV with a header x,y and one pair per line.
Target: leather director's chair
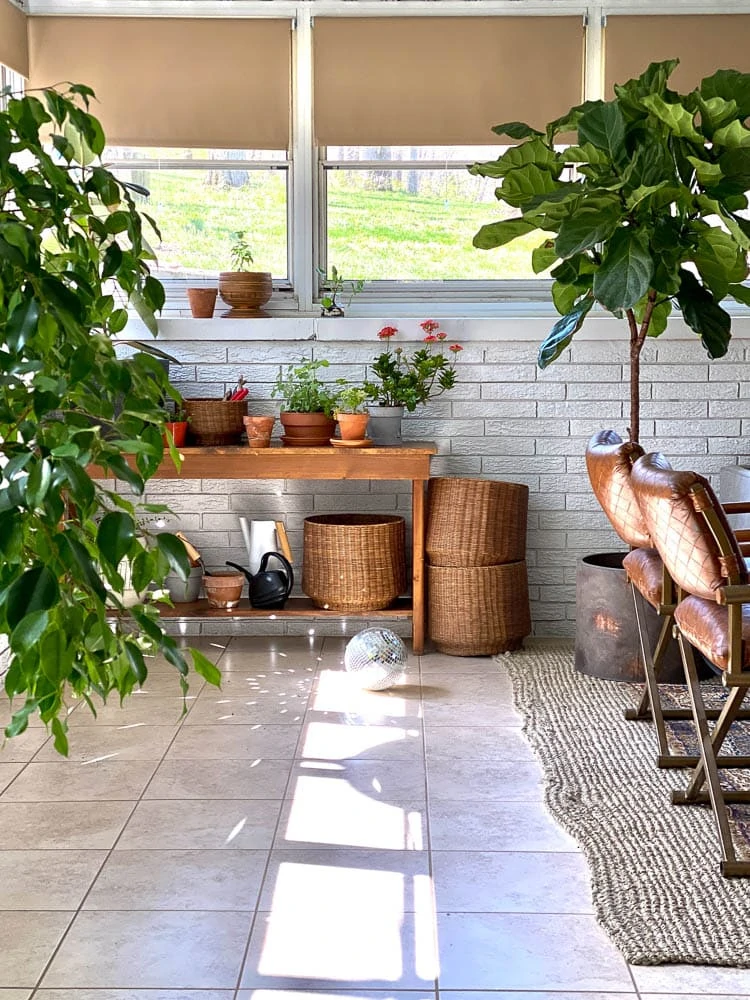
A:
x,y
689,528
609,461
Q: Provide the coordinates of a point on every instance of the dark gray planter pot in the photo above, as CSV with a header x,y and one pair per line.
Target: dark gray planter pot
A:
x,y
385,424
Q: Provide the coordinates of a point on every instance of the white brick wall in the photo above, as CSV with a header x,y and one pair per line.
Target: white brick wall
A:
x,y
506,419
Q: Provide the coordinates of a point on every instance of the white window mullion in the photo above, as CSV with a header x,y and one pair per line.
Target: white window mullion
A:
x,y
304,172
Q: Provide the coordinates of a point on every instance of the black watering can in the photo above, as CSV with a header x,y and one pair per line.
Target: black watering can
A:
x,y
269,588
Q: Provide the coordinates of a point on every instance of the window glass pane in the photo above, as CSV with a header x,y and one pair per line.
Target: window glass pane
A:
x,y
418,225
198,208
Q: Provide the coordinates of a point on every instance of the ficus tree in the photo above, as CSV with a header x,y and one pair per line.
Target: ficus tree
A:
x,y
642,213
72,254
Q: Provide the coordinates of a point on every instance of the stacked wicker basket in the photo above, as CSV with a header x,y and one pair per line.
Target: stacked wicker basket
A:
x,y
477,587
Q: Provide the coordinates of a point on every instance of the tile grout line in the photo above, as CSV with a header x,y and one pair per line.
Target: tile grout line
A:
x,y
79,908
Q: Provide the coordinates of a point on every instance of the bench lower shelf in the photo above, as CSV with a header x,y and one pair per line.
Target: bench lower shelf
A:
x,y
296,607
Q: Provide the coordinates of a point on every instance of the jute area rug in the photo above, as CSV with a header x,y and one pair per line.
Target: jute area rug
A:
x,y
654,866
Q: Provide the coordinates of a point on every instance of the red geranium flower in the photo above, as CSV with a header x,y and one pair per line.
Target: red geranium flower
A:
x,y
430,338
387,332
455,348
430,325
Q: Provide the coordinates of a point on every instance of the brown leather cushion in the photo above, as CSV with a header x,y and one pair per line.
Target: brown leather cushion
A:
x,y
609,460
680,533
644,569
705,625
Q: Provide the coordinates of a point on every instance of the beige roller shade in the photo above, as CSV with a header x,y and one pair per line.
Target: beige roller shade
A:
x,y
441,80
14,47
221,83
702,42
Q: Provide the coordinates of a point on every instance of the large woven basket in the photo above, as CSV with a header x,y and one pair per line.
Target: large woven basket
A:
x,y
479,610
354,562
475,522
215,421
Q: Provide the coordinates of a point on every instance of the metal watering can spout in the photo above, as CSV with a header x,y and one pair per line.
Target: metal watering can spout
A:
x,y
269,588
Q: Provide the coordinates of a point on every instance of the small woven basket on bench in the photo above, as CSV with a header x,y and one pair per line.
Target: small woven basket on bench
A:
x,y
215,421
479,610
354,562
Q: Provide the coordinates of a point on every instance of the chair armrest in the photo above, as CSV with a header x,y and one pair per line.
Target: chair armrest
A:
x,y
738,593
736,507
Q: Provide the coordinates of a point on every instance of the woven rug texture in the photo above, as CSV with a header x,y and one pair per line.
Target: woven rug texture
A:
x,y
654,867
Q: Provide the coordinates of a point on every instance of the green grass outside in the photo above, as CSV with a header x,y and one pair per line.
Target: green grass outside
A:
x,y
375,235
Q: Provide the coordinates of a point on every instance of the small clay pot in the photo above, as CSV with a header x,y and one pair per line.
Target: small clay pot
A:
x,y
258,430
202,302
224,590
352,426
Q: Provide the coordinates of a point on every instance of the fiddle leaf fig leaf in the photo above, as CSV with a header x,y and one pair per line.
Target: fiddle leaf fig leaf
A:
x,y
497,234
516,130
563,331
704,315
595,222
604,127
626,271
740,293
678,119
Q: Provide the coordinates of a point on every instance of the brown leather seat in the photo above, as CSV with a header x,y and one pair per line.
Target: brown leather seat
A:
x,y
609,461
701,553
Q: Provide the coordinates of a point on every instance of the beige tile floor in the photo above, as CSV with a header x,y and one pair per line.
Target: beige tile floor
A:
x,y
294,834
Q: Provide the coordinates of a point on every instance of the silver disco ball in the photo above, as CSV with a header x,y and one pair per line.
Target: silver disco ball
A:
x,y
376,658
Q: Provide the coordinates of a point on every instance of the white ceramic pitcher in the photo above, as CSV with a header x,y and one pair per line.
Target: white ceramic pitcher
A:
x,y
260,537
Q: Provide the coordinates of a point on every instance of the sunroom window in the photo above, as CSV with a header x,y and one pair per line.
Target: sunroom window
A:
x,y
201,197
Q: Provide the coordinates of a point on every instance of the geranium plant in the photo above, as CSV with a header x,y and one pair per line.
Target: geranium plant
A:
x,y
401,379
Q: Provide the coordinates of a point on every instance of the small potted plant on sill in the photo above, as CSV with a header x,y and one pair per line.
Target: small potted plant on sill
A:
x,y
307,404
335,286
400,381
351,413
244,290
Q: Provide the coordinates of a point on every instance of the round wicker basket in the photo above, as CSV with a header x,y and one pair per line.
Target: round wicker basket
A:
x,y
215,421
475,522
478,610
354,562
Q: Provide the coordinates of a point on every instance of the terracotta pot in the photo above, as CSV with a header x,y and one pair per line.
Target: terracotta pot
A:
x,y
352,426
307,429
224,590
258,430
245,291
202,302
178,430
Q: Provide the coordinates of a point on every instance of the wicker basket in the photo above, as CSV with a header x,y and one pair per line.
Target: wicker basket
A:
x,y
215,421
354,562
475,522
478,610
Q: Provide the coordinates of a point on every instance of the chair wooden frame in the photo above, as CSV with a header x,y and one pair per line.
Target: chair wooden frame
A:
x,y
707,523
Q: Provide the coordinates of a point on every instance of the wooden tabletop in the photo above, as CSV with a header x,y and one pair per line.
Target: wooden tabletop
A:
x,y
410,460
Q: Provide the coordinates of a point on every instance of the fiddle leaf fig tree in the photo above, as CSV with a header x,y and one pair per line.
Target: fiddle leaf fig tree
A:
x,y
72,253
643,213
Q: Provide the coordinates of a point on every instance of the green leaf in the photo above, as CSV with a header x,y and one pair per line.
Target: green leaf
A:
x,y
145,312
22,324
174,550
115,536
708,174
626,270
38,483
135,659
516,130
732,136
122,470
731,86
703,315
35,590
75,554
678,119
652,81
205,668
563,331
593,223
604,127
526,183
497,234
544,256
59,731
740,293
659,315
586,153
29,630
719,260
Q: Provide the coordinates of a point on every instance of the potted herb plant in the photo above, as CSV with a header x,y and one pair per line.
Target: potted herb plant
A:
x,y
307,403
335,286
351,413
399,381
176,425
71,239
244,290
